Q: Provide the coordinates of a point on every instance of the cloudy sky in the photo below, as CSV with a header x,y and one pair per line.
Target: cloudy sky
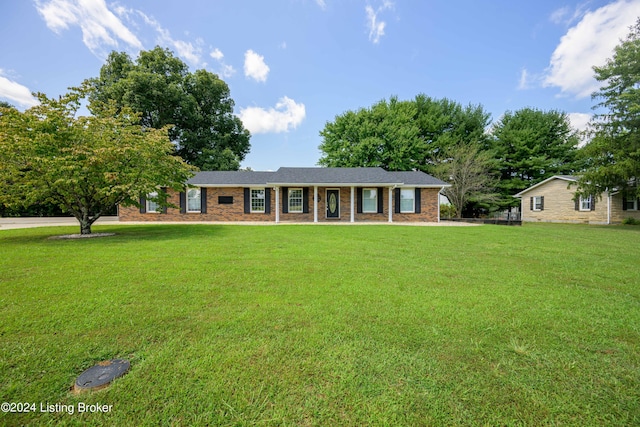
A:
x,y
293,65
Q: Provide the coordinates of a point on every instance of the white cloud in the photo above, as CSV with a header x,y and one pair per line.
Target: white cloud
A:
x,y
225,70
322,4
255,67
186,50
589,43
374,25
524,80
216,54
16,93
101,29
580,121
286,115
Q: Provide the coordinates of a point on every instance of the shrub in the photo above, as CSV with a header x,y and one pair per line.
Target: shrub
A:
x,y
631,221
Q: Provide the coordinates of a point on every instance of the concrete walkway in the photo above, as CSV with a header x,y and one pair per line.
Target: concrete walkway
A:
x,y
10,223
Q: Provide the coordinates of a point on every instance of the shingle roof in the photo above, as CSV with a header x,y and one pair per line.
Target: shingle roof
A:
x,y
315,176
418,178
231,178
332,176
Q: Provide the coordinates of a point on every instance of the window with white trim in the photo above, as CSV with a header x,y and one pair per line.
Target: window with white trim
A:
x,y
537,203
585,203
407,200
152,205
370,200
257,200
295,200
193,200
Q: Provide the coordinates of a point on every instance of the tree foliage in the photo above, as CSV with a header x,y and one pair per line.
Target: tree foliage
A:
x,y
613,155
469,170
400,135
196,106
532,145
84,165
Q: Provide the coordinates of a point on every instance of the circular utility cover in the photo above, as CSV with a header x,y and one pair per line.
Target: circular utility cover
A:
x,y
100,375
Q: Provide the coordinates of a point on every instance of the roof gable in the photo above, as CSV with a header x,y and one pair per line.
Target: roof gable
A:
x,y
568,178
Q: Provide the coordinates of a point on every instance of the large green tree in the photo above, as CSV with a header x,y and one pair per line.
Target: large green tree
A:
x,y
532,145
87,164
401,135
613,155
197,106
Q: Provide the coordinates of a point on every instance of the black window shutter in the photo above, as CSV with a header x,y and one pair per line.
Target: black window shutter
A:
x,y
577,206
418,200
143,205
305,200
593,202
164,208
285,200
396,202
183,202
359,200
380,201
624,203
267,200
541,203
247,200
203,200
530,203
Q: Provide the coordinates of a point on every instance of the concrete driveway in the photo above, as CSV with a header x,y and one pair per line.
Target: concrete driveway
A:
x,y
9,223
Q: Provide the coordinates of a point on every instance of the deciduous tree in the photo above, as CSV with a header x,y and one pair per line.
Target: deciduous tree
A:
x,y
84,164
197,106
401,135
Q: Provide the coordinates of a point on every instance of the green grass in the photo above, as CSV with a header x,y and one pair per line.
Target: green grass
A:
x,y
326,325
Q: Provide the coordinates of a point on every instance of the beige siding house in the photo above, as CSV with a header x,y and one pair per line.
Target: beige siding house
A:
x,y
553,200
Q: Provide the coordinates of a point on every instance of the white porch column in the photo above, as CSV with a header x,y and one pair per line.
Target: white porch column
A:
x,y
352,208
390,205
315,203
277,204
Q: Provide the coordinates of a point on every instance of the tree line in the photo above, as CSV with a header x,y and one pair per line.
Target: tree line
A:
x,y
485,163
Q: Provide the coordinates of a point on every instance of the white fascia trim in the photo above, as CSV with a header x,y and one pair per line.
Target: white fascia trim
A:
x,y
564,178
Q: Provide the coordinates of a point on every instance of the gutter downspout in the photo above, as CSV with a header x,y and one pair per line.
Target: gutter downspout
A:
x,y
608,208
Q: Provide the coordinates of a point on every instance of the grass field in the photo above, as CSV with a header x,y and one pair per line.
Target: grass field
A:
x,y
325,325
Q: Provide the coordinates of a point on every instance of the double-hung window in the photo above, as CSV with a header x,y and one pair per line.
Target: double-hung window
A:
x,y
193,200
257,200
407,200
585,203
152,205
295,200
370,200
538,203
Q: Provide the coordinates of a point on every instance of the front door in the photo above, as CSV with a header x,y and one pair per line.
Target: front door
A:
x,y
333,203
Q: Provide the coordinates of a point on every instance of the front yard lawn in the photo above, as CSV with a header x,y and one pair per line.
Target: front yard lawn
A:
x,y
325,325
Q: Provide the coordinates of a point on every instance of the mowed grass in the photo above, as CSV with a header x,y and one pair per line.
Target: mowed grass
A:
x,y
326,325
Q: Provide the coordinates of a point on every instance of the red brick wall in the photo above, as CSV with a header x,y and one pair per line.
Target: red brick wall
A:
x,y
235,212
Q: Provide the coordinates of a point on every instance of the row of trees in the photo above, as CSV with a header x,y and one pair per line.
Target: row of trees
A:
x,y
487,165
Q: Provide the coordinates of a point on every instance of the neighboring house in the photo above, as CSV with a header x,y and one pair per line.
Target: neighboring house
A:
x,y
300,195
553,200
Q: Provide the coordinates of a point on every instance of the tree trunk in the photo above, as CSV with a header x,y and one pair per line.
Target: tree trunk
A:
x,y
85,222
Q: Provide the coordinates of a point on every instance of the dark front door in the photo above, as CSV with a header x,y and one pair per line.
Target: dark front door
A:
x,y
333,203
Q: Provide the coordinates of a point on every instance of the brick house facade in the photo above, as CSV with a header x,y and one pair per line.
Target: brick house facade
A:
x,y
299,195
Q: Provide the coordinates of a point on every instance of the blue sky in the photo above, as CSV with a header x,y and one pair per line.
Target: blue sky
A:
x,y
293,65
